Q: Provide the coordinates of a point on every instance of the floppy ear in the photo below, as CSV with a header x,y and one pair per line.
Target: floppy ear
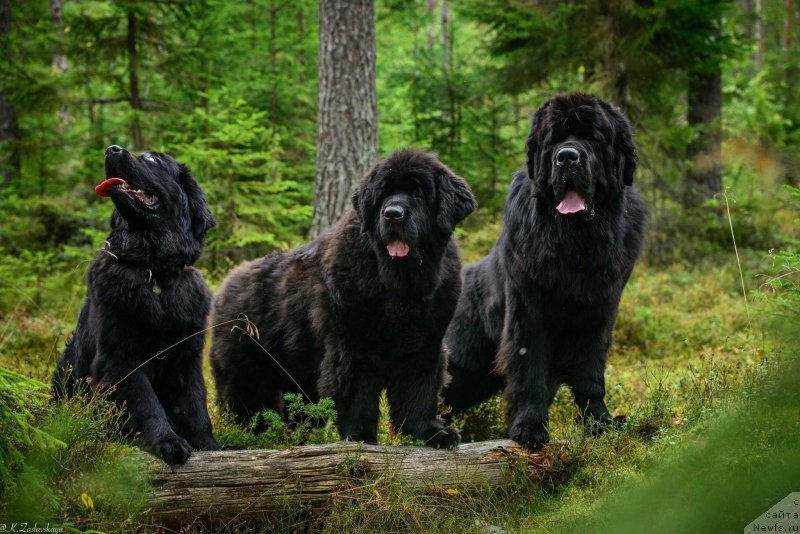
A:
x,y
455,200
201,219
357,203
364,200
628,155
534,167
624,145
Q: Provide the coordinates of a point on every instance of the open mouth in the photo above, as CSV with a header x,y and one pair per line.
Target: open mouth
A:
x,y
572,202
398,248
110,185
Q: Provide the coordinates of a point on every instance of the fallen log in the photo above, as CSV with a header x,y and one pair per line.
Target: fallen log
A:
x,y
247,485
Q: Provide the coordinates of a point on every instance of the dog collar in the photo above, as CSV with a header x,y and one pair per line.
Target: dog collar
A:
x,y
149,279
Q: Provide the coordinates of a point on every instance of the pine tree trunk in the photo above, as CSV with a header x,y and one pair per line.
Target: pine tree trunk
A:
x,y
301,55
614,63
452,91
9,128
748,8
133,79
9,141
59,58
347,115
704,178
273,60
58,63
788,24
760,39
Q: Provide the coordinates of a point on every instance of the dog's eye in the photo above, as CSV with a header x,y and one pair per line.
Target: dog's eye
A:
x,y
150,158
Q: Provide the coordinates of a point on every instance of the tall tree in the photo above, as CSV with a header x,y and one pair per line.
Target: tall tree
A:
x,y
59,60
9,129
704,112
133,81
347,115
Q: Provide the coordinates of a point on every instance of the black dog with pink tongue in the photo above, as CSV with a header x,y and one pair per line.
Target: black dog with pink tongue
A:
x,y
359,309
539,310
136,334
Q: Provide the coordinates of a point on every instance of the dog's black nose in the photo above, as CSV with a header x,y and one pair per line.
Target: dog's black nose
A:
x,y
394,213
567,155
114,149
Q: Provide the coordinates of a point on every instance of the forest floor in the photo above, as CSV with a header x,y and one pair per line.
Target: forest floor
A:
x,y
693,366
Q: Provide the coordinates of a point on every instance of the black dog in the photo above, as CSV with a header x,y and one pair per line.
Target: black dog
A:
x,y
539,310
144,297
361,308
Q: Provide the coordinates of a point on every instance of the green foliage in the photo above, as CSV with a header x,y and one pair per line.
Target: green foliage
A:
x,y
781,290
61,452
653,41
244,159
21,399
303,424
742,462
439,91
761,113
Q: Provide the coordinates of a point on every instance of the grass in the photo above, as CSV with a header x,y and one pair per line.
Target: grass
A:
x,y
687,367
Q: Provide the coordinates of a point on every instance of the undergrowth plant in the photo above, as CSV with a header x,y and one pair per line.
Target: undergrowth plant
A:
x,y
305,423
782,287
67,464
21,399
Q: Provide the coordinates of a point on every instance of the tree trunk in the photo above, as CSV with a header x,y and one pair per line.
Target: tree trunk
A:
x,y
273,61
788,24
760,38
704,178
58,63
9,127
9,142
133,78
59,59
231,487
614,63
449,77
301,55
750,18
347,115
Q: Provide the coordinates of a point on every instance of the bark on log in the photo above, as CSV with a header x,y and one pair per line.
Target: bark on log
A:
x,y
229,487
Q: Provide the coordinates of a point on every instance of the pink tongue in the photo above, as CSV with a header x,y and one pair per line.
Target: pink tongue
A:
x,y
571,203
109,185
397,249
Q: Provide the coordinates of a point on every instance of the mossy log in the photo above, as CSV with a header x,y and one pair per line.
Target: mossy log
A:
x,y
245,485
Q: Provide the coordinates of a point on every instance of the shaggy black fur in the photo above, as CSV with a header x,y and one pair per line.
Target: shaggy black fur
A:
x,y
361,308
143,297
538,311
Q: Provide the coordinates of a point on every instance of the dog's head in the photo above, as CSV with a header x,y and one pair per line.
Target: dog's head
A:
x,y
410,200
580,154
154,192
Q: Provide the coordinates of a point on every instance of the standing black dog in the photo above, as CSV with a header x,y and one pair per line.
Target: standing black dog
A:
x,y
144,297
361,308
539,310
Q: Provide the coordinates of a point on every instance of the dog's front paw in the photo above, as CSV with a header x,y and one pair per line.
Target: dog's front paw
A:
x,y
443,438
530,435
172,449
